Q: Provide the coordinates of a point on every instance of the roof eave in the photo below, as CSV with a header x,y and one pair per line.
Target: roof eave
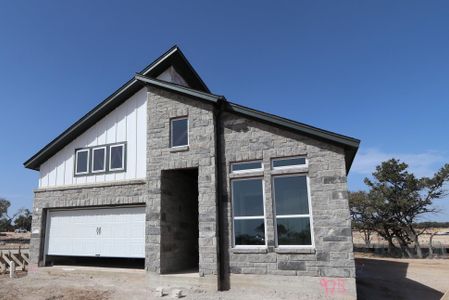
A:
x,y
349,144
178,88
92,116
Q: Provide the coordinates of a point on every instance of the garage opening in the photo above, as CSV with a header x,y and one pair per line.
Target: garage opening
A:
x,y
179,221
101,236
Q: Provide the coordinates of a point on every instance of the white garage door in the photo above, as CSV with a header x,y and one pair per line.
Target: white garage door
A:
x,y
104,232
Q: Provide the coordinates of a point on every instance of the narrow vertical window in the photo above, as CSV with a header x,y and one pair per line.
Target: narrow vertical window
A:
x,y
291,199
179,132
98,159
248,212
81,161
117,157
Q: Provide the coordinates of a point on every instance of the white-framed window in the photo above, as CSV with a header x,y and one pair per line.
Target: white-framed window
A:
x,y
288,162
248,211
117,157
179,132
292,207
99,159
247,166
82,161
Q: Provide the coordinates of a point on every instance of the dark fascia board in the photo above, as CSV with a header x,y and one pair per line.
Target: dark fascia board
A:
x,y
318,132
132,86
174,57
87,121
178,89
350,144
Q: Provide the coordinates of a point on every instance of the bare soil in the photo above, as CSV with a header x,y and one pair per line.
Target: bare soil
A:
x,y
389,278
376,279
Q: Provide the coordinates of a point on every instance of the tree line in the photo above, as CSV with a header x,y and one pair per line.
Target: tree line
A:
x,y
394,203
19,220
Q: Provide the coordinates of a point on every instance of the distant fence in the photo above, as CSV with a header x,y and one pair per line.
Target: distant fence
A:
x,y
14,259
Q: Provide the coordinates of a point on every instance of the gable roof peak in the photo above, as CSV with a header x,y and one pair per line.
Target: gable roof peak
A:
x,y
175,58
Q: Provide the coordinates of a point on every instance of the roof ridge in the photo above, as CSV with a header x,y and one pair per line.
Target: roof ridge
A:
x,y
140,79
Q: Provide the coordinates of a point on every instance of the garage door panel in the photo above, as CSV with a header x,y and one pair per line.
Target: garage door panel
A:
x,y
109,232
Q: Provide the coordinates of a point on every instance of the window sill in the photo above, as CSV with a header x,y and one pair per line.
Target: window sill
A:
x,y
249,250
179,149
295,250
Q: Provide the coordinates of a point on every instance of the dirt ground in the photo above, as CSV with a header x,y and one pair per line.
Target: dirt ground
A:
x,y
376,279
388,278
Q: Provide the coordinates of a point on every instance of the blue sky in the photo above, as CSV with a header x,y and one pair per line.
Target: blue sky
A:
x,y
375,70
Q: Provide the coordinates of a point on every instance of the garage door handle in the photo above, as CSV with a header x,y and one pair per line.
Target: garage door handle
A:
x,y
99,230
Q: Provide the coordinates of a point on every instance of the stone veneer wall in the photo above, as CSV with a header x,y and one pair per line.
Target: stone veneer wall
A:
x,y
332,255
162,106
111,194
243,139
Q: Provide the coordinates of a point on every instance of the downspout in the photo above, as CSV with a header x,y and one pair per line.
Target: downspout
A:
x,y
221,280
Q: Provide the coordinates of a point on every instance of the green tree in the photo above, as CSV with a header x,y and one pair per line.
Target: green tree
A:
x,y
23,220
395,201
369,215
360,206
4,205
5,220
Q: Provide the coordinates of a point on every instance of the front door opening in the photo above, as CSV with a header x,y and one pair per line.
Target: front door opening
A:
x,y
179,221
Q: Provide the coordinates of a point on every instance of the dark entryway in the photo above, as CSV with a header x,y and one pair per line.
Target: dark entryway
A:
x,y
179,221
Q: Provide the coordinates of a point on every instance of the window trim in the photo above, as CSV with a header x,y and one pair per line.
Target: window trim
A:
x,y
247,170
104,160
309,215
122,168
76,161
305,165
264,217
171,132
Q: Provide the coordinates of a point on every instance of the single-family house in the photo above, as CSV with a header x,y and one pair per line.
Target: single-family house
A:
x,y
165,171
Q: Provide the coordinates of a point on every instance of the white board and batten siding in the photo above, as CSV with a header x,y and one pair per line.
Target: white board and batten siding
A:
x,y
127,123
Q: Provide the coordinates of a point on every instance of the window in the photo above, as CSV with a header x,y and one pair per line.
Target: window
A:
x,y
250,166
179,134
248,212
98,159
117,157
291,162
82,161
292,207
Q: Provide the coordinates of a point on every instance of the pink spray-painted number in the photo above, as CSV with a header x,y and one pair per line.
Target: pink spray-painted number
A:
x,y
333,286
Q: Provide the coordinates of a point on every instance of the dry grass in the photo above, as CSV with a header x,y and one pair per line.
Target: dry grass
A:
x,y
438,240
12,240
